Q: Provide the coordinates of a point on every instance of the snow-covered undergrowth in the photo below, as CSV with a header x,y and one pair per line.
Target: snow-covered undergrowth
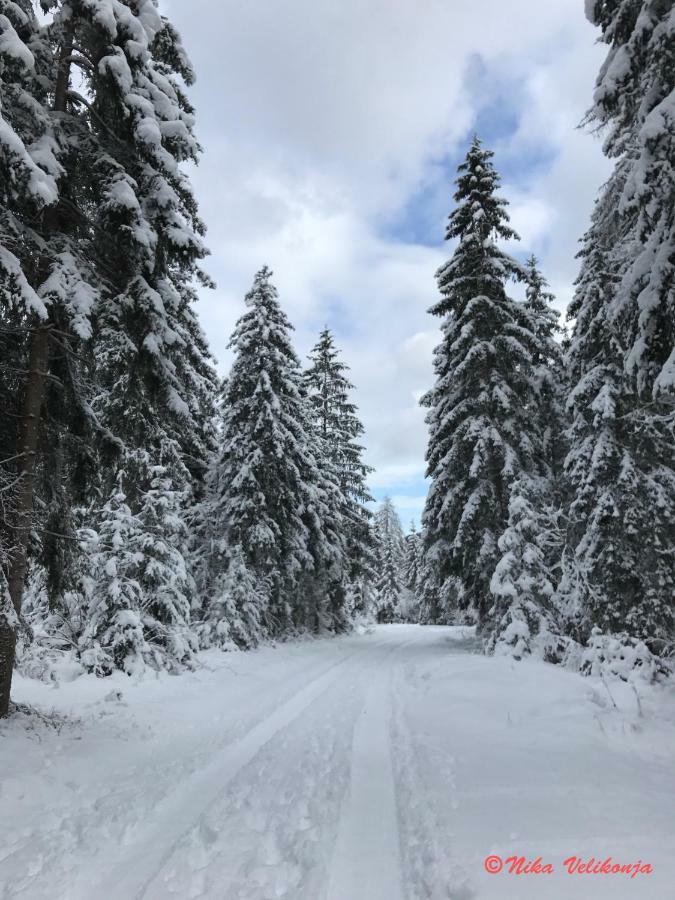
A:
x,y
397,759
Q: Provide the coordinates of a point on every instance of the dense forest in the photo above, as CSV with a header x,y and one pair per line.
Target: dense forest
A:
x,y
151,509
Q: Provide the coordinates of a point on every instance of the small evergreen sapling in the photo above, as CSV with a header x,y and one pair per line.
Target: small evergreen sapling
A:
x,y
523,619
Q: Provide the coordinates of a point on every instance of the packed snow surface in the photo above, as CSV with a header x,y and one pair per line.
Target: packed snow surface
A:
x,y
379,766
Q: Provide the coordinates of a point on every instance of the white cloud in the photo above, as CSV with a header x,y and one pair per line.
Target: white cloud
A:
x,y
321,119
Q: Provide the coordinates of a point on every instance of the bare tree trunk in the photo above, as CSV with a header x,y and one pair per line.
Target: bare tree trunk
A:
x,y
27,449
29,431
7,651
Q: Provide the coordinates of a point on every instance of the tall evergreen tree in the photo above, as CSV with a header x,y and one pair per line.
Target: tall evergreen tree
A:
x,y
634,101
412,562
390,555
157,381
595,551
484,418
619,563
155,385
103,159
48,288
389,586
388,527
432,609
336,421
361,590
412,572
272,500
538,300
336,417
548,363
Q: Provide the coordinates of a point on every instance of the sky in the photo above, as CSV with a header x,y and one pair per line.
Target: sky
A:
x,y
332,130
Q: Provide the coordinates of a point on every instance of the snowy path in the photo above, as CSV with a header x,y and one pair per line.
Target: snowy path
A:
x,y
384,766
366,858
185,808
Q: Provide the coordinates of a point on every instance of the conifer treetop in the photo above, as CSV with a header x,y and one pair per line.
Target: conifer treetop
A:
x,y
480,211
478,267
335,416
266,363
329,387
537,293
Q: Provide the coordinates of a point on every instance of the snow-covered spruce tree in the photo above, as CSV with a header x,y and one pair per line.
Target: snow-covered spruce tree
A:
x,y
114,636
138,610
388,528
156,375
156,385
390,554
156,488
412,560
619,564
524,619
47,282
166,581
635,100
272,500
361,591
49,250
76,160
412,573
335,418
234,608
430,607
617,570
389,586
548,364
538,300
485,426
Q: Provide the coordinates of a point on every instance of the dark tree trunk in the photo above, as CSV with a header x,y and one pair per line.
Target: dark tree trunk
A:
x,y
27,450
7,651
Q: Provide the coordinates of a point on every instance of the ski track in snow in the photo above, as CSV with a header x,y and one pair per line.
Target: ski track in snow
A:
x,y
185,808
277,843
366,860
430,871
383,766
103,786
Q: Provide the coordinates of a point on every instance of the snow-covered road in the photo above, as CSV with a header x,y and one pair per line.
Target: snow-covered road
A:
x,y
383,766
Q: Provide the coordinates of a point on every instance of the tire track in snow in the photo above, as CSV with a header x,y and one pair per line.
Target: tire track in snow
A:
x,y
137,867
430,872
365,863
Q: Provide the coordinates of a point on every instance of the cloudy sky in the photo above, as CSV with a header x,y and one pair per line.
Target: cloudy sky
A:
x,y
331,132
